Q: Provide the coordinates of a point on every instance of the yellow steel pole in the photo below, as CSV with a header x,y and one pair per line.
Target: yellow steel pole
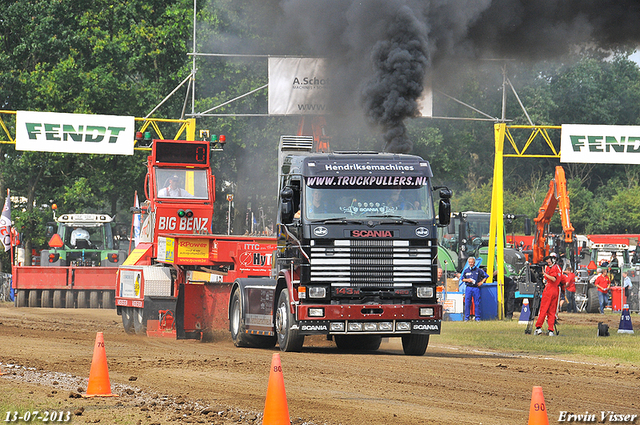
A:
x,y
191,129
496,232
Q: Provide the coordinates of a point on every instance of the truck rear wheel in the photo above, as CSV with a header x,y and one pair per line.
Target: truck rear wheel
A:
x,y
127,320
288,339
94,300
415,345
238,335
57,299
139,322
33,298
21,298
45,299
82,299
593,304
69,299
107,299
358,342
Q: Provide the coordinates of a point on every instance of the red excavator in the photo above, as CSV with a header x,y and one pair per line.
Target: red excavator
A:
x,y
557,197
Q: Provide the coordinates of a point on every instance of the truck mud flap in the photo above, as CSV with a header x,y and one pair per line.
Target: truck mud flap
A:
x,y
179,320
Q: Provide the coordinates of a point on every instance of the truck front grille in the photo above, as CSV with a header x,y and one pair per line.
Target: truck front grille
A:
x,y
372,263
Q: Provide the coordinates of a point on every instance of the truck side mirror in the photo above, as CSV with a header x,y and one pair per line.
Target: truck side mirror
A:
x,y
527,226
286,205
444,207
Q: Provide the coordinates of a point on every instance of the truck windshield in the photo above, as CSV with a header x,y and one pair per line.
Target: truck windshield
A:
x,y
86,235
408,202
181,183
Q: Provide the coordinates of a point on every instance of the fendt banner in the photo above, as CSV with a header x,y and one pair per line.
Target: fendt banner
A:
x,y
74,133
300,86
600,144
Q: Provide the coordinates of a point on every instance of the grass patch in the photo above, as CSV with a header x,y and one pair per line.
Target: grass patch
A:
x,y
574,340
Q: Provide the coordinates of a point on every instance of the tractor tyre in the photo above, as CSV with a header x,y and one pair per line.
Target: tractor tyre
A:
x,y
21,298
82,299
107,299
69,299
45,299
58,301
593,304
94,299
33,298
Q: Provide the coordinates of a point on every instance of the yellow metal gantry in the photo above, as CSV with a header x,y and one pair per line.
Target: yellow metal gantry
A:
x,y
496,233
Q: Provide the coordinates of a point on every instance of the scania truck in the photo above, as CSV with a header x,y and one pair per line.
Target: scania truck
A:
x,y
356,258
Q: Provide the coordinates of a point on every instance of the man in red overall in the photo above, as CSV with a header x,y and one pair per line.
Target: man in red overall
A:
x,y
549,302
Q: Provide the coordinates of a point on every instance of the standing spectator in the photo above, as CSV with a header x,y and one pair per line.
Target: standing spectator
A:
x,y
570,291
602,284
626,284
473,277
549,302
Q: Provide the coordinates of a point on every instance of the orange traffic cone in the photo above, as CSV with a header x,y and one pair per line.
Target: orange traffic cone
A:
x,y
99,385
276,410
538,410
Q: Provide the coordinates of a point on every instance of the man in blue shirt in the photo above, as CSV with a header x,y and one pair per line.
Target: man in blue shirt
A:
x,y
473,277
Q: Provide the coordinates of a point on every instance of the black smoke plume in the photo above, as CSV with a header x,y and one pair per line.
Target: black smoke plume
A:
x,y
400,64
381,51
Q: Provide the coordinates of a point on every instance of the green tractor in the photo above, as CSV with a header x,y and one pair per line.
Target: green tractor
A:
x,y
468,235
82,240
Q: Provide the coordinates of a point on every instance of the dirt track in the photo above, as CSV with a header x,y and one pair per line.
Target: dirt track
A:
x,y
162,381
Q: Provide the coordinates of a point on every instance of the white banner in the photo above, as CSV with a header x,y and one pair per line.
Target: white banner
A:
x,y
74,133
297,86
300,86
600,144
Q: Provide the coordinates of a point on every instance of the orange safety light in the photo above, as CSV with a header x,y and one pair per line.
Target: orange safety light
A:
x,y
56,241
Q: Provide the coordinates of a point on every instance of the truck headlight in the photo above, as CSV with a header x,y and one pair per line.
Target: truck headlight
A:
x,y
337,326
426,311
403,326
316,291
355,327
316,312
425,292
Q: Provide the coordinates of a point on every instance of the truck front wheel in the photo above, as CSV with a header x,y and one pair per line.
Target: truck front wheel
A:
x,y
415,345
288,339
